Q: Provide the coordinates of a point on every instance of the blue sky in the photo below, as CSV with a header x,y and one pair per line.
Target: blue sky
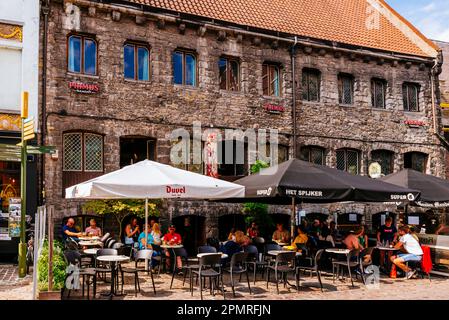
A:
x,y
431,17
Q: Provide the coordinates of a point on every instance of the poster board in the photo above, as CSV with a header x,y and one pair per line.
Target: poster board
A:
x,y
14,217
413,220
353,217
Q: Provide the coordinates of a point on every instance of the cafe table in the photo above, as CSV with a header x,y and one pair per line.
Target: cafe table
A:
x,y
337,251
86,238
173,253
86,243
223,255
389,250
114,261
91,251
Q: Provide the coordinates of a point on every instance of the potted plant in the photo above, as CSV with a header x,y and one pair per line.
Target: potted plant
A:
x,y
59,272
258,212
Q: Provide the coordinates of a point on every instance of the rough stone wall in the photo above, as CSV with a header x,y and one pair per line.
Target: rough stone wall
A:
x,y
154,108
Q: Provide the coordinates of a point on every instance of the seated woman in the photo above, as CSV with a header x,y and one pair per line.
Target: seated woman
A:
x,y
301,237
234,246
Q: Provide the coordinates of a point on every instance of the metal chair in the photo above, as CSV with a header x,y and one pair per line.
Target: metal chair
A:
x,y
270,247
365,263
314,268
103,268
283,264
187,267
117,245
352,261
107,242
238,265
144,255
160,258
207,249
207,263
105,237
111,243
74,257
253,259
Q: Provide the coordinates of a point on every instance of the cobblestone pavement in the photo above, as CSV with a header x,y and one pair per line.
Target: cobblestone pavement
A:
x,y
11,286
423,289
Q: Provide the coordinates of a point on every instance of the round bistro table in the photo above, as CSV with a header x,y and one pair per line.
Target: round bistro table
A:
x,y
114,260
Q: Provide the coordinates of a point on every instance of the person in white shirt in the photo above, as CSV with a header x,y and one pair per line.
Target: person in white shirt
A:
x,y
412,248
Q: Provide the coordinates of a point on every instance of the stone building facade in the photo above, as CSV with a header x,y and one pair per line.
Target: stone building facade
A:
x,y
337,133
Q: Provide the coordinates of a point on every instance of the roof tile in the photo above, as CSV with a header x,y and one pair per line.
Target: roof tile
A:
x,y
343,21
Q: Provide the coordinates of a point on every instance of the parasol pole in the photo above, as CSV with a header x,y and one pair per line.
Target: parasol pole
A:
x,y
293,218
146,230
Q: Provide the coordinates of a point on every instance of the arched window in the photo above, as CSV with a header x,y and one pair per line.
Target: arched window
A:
x,y
313,154
184,68
82,55
385,159
348,160
136,62
416,161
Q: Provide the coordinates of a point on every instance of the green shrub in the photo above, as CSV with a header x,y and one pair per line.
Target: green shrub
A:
x,y
59,266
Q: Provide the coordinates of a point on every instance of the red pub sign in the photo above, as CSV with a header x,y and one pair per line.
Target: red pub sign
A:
x,y
84,87
272,108
415,123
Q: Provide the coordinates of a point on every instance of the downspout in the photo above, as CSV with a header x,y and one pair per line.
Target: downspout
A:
x,y
293,62
45,12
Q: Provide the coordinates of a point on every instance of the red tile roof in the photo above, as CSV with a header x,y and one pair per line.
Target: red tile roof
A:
x,y
343,21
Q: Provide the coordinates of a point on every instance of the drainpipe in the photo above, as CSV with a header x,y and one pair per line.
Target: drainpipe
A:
x,y
45,11
293,61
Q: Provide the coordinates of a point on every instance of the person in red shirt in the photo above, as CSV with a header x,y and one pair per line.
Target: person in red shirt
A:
x,y
252,231
172,238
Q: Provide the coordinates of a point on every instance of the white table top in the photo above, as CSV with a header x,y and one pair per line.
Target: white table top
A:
x,y
89,238
276,252
338,251
223,255
113,258
91,251
176,246
387,248
282,243
90,243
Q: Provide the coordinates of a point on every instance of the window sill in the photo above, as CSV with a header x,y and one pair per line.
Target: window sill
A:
x,y
82,75
185,87
229,92
279,98
137,81
413,112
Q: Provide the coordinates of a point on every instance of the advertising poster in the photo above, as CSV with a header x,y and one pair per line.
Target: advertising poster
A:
x,y
211,157
14,217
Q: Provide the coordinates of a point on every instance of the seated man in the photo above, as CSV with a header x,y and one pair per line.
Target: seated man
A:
x,y
146,243
92,230
281,235
68,230
413,251
172,238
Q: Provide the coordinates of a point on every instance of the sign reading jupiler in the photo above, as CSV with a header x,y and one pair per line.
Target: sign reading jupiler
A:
x,y
304,193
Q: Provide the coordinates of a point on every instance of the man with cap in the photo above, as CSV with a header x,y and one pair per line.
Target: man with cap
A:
x,y
171,238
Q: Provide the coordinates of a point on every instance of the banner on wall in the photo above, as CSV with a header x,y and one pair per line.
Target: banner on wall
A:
x,y
211,154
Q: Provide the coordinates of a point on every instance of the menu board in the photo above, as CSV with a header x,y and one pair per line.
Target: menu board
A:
x,y
14,217
414,220
353,217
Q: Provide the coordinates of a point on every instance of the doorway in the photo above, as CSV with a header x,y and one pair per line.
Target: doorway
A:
x,y
229,221
136,148
192,229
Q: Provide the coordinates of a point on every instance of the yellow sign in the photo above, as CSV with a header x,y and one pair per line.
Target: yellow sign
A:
x,y
444,105
24,113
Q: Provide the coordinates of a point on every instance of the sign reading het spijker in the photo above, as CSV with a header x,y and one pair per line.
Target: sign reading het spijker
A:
x,y
84,87
415,123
